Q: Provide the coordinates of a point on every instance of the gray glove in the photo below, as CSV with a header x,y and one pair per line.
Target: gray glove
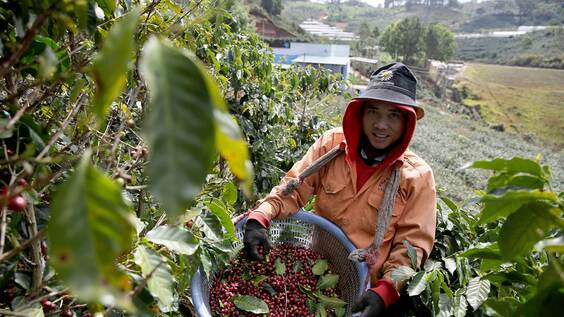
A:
x,y
255,235
370,305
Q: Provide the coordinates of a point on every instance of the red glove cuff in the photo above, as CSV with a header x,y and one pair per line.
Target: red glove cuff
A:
x,y
260,218
387,292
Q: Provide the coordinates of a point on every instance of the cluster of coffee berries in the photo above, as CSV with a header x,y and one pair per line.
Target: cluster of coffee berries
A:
x,y
281,281
14,198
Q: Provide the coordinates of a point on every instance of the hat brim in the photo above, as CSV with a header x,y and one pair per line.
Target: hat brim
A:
x,y
391,96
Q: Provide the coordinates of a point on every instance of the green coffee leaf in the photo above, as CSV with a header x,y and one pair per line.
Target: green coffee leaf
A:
x,y
257,280
177,125
431,265
279,267
332,302
483,251
297,266
250,304
109,68
328,281
4,132
340,312
530,224
269,289
411,253
460,305
320,267
229,193
89,227
176,239
450,265
108,6
155,268
219,210
34,311
402,273
514,165
418,283
502,206
554,245
449,203
445,306
505,307
212,227
321,310
477,292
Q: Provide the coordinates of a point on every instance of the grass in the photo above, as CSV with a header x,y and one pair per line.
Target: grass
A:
x,y
525,100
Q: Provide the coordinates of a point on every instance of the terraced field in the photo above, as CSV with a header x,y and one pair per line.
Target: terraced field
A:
x,y
526,100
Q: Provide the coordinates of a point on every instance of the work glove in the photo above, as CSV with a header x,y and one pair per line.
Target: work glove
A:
x,y
255,235
370,305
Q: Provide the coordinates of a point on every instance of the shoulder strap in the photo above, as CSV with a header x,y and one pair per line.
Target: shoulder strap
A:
x,y
314,167
371,253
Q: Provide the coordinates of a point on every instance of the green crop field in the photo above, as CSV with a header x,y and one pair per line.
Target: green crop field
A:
x,y
525,100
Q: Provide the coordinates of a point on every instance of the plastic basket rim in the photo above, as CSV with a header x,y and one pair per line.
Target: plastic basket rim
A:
x,y
199,277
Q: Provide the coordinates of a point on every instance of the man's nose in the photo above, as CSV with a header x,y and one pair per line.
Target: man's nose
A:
x,y
380,123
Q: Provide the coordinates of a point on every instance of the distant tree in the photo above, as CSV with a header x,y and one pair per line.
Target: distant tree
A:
x,y
526,7
404,38
439,42
375,32
367,39
454,4
364,31
273,7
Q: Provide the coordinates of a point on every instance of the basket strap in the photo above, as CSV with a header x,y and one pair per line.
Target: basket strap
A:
x,y
314,167
294,183
371,253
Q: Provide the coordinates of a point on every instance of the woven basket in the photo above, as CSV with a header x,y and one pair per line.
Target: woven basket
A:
x,y
303,229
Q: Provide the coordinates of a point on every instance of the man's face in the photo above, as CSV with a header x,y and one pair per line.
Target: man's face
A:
x,y
382,123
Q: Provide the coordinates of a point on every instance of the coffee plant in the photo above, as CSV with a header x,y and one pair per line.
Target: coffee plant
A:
x,y
505,259
127,132
125,128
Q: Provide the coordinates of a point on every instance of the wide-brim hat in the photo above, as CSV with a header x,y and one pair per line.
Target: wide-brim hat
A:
x,y
393,83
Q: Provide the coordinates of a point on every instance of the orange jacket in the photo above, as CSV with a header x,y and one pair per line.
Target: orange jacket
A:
x,y
355,211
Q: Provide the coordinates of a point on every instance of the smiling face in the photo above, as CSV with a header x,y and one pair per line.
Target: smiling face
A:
x,y
382,123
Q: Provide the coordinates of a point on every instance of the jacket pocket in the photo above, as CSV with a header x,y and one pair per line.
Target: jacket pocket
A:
x,y
332,198
375,202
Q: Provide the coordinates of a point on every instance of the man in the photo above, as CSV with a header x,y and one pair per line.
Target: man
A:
x,y
378,192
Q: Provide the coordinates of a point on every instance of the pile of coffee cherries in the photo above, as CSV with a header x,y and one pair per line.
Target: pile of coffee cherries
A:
x,y
284,281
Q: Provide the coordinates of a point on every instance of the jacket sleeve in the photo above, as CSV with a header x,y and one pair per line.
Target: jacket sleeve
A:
x,y
416,224
278,205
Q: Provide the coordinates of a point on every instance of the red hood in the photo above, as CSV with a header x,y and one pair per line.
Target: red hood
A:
x,y
352,127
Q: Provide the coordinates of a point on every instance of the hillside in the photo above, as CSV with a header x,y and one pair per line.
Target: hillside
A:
x,y
538,49
526,100
349,15
468,17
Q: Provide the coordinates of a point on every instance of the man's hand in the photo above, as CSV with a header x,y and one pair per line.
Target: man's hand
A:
x,y
255,235
370,305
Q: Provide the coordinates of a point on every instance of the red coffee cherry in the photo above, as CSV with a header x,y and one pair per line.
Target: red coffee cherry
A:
x,y
17,203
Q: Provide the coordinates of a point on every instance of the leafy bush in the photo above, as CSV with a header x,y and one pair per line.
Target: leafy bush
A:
x,y
119,147
503,261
